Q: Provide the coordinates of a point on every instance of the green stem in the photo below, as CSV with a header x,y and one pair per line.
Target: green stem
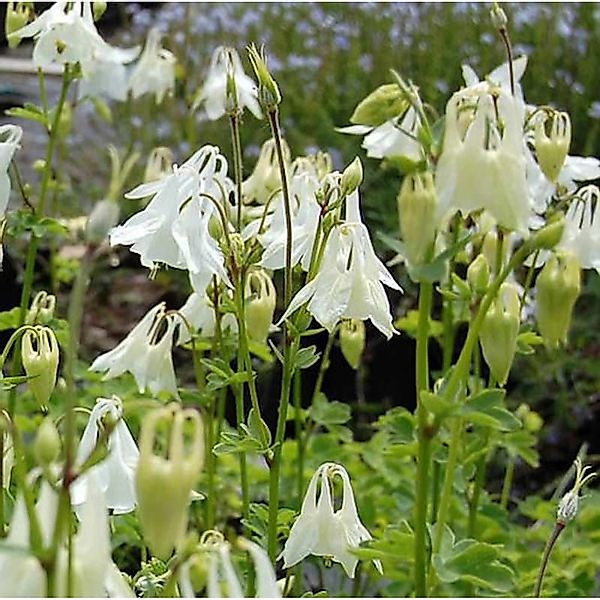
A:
x,y
299,434
507,484
477,489
424,441
234,122
558,527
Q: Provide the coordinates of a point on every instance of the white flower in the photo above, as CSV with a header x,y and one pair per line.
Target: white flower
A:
x,y
266,581
396,137
199,312
154,73
349,282
146,353
226,63
582,228
115,475
10,136
484,169
323,531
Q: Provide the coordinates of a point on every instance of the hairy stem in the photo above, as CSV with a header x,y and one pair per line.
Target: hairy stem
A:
x,y
558,527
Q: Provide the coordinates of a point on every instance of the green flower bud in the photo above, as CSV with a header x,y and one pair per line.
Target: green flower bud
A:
x,y
268,90
164,483
352,341
531,420
46,447
16,18
41,310
499,19
547,237
98,9
478,275
499,331
385,103
557,288
489,248
417,203
352,177
261,299
104,216
39,355
552,149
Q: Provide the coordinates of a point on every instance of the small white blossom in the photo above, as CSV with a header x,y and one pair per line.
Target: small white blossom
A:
x,y
10,136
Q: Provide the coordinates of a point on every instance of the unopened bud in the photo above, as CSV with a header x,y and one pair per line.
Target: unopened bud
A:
x,y
499,19
557,288
352,341
16,18
385,103
268,90
39,355
531,420
237,249
41,310
417,203
351,177
499,331
551,234
489,248
261,299
552,147
478,275
98,9
104,216
46,447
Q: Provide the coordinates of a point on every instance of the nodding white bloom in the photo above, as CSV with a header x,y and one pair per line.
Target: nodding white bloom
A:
x,y
569,503
10,137
173,227
498,78
266,178
349,283
396,137
66,33
199,312
145,353
115,475
552,149
582,228
323,531
227,87
484,168
154,73
94,573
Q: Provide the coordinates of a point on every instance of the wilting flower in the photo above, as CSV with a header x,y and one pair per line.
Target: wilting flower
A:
x,y
569,503
323,531
349,283
10,136
115,475
154,73
145,353
227,87
482,167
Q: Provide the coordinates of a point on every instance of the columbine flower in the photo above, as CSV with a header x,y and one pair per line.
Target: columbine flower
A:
x,y
484,168
116,473
265,178
154,73
569,504
227,87
146,353
323,531
199,312
10,136
349,281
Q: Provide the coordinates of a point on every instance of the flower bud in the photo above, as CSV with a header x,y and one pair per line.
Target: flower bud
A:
x,y
164,483
268,90
499,331
104,216
352,177
552,149
478,275
261,299
489,249
531,420
499,19
551,234
417,203
15,19
385,103
39,354
41,310
46,447
557,288
352,341
98,9
265,178
159,164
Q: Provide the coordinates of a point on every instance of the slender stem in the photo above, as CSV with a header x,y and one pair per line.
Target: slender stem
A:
x,y
239,415
299,434
234,121
424,440
558,527
477,489
508,479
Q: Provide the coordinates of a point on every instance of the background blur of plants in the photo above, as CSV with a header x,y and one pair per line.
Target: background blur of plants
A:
x,y
326,58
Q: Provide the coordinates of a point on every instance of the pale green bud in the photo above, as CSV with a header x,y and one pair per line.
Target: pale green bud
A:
x,y
164,481
549,236
478,275
237,249
384,104
557,288
39,355
499,331
531,420
98,9
351,177
499,18
489,248
261,299
352,341
16,18
46,447
104,216
41,310
552,147
417,204
268,90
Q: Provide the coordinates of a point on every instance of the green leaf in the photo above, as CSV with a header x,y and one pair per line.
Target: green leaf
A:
x,y
232,442
8,383
306,357
381,105
28,111
9,319
328,413
410,324
438,405
258,428
398,424
392,243
487,409
526,341
436,269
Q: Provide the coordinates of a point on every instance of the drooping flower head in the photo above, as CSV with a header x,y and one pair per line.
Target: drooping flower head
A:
x,y
10,137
